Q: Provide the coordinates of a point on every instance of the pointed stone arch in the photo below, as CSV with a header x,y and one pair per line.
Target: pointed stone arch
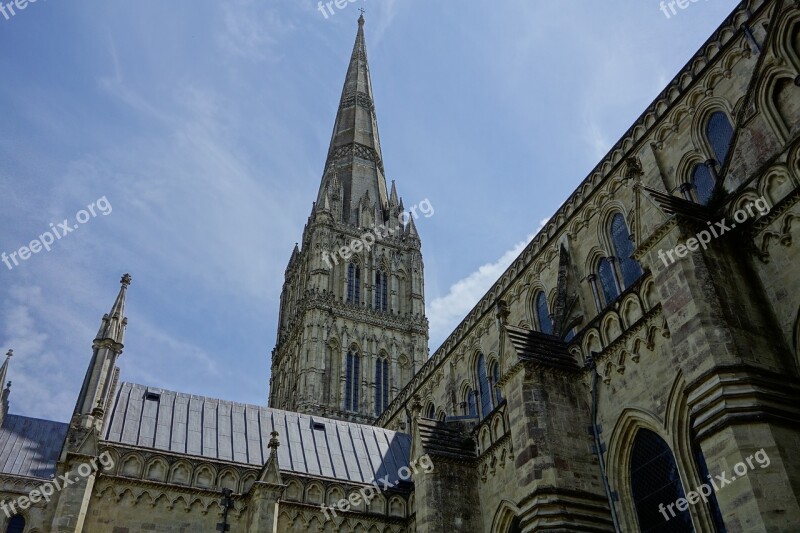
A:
x,y
181,473
618,456
787,42
156,469
771,85
228,479
204,477
707,107
507,512
131,465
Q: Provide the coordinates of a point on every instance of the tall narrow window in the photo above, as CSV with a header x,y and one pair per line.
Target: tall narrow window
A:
x,y
471,404
483,386
381,385
703,183
353,284
403,303
381,291
16,524
654,481
719,133
607,281
495,373
543,314
623,250
352,381
430,412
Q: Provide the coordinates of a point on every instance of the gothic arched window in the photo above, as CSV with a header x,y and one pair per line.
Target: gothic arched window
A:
x,y
381,291
703,183
623,250
353,284
381,385
430,412
16,524
485,390
543,314
719,133
352,381
607,280
655,484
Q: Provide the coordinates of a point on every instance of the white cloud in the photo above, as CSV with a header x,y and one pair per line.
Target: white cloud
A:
x,y
447,311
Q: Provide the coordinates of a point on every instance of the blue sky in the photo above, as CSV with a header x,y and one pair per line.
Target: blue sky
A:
x,y
206,125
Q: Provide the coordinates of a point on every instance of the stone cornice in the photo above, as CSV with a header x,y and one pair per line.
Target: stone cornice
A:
x,y
629,333
163,486
741,394
565,509
360,516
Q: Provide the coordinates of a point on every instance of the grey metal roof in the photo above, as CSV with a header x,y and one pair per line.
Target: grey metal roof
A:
x,y
30,446
217,429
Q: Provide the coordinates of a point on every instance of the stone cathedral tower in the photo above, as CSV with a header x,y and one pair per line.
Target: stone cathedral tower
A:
x,y
352,329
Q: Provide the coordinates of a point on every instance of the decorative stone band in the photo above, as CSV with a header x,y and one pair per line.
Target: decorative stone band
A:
x,y
357,98
351,150
763,236
741,394
552,508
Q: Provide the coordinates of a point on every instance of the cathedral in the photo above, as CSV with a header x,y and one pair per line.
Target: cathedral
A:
x,y
636,367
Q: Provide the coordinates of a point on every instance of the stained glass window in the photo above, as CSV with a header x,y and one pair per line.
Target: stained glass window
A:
x,y
543,314
353,284
495,380
381,386
352,381
472,405
606,274
381,292
720,133
483,386
655,484
623,250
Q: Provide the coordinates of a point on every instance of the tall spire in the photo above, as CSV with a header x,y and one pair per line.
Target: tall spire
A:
x,y
355,150
7,391
100,375
113,324
4,368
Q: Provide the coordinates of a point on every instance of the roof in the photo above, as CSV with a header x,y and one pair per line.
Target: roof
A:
x,y
30,446
541,348
443,439
193,425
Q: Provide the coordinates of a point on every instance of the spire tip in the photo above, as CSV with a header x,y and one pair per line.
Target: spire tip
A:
x,y
126,280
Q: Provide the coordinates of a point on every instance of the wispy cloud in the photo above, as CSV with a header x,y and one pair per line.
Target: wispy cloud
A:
x,y
445,312
251,30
